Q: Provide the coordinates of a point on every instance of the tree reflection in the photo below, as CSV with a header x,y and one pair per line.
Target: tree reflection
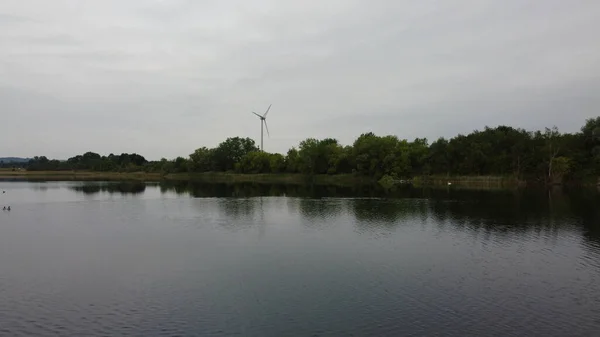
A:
x,y
383,215
120,188
246,190
319,210
584,204
519,212
245,209
385,212
487,212
220,190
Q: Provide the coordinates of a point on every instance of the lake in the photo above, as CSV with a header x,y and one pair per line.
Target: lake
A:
x,y
185,259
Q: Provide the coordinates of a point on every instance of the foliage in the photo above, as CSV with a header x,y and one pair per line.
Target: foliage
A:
x,y
319,156
544,156
255,162
90,161
231,151
386,181
202,160
292,161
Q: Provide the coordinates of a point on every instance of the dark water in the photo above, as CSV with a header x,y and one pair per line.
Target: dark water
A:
x,y
81,259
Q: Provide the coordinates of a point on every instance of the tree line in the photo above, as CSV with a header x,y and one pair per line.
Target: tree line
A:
x,y
90,161
545,156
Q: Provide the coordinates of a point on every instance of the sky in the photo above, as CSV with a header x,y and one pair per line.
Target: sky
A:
x,y
162,78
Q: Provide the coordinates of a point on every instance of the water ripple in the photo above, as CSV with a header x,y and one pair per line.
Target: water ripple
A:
x,y
142,265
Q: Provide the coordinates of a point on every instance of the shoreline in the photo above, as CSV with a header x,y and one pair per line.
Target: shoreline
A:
x,y
267,178
80,175
210,177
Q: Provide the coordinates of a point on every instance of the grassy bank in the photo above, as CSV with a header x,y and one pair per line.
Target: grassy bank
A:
x,y
78,175
270,178
216,177
273,178
497,181
476,181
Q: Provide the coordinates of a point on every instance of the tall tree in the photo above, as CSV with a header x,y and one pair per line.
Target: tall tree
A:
x,y
231,151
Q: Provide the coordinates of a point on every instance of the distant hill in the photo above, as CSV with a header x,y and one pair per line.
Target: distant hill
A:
x,y
7,160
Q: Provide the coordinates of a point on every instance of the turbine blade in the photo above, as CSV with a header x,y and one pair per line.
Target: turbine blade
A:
x,y
266,127
269,108
257,114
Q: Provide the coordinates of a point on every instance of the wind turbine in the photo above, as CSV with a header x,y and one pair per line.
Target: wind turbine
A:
x,y
263,120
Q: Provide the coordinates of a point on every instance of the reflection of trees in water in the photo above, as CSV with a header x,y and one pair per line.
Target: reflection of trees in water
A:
x,y
208,190
242,213
315,210
504,212
178,188
385,213
509,212
232,214
519,212
121,188
239,208
586,205
202,189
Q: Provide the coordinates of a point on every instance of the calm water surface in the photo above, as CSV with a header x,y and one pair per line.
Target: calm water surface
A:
x,y
116,259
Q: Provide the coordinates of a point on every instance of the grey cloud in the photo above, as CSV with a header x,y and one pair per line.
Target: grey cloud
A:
x,y
162,78
12,19
58,40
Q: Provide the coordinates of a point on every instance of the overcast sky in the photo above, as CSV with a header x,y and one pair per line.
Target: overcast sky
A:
x,y
162,78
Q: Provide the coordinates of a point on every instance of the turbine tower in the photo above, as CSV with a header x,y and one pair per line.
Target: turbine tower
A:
x,y
263,121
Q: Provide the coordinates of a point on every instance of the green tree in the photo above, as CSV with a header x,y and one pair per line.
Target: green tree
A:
x,y
438,159
560,167
202,160
277,163
552,149
319,156
231,151
376,156
591,142
540,156
255,162
180,165
292,161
